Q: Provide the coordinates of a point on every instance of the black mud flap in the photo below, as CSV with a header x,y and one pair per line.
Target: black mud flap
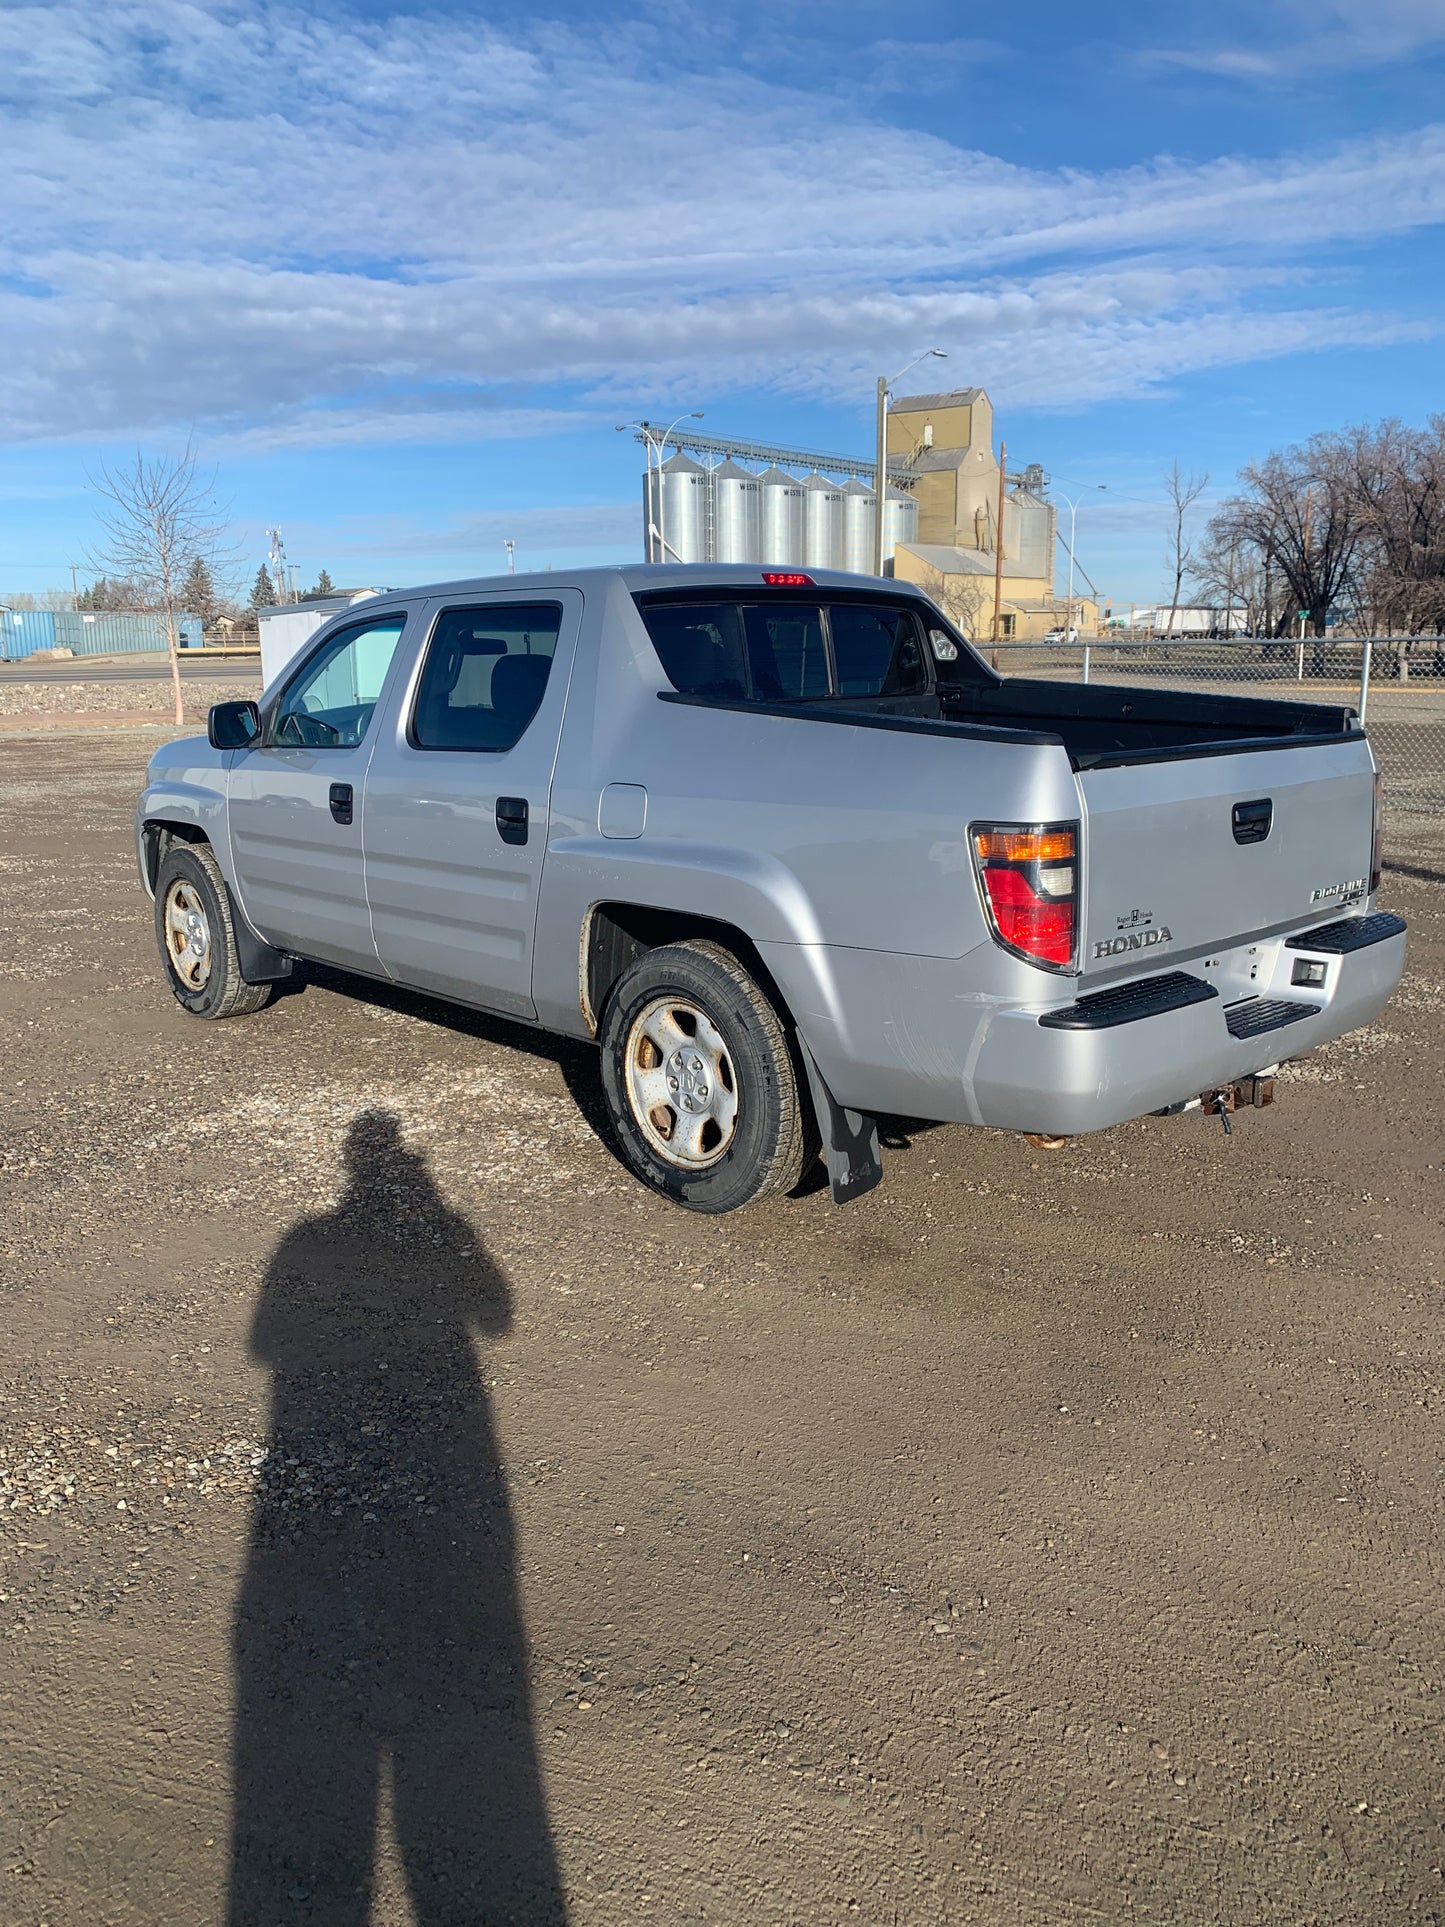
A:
x,y
260,963
850,1139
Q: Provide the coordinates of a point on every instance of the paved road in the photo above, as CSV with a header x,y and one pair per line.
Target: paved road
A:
x,y
141,668
1042,1541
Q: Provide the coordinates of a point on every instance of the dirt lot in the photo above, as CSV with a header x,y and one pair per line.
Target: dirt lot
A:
x,y
406,1518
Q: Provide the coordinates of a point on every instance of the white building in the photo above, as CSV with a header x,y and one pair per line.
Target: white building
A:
x,y
286,627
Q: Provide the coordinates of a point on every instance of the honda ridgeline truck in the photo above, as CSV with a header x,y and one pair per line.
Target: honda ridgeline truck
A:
x,y
787,849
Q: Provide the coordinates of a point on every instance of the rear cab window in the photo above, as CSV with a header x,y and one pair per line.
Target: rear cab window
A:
x,y
797,649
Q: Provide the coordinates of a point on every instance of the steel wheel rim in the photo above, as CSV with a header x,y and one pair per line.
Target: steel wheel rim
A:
x,y
188,934
682,1087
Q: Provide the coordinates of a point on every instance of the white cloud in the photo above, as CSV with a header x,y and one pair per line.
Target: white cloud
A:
x,y
1299,40
538,533
290,228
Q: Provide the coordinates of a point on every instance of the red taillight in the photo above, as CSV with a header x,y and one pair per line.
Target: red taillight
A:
x,y
788,579
1029,874
1377,850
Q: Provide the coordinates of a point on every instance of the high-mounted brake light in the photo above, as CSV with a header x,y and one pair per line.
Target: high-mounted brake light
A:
x,y
1029,878
788,579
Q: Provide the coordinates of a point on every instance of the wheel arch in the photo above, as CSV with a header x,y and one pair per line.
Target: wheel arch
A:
x,y
157,833
615,934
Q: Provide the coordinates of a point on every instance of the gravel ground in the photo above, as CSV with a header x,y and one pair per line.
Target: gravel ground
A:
x,y
403,1517
55,698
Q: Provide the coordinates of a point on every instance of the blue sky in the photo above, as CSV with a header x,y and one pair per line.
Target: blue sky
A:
x,y
402,272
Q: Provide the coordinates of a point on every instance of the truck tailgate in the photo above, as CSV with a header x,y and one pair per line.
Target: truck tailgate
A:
x,y
1189,853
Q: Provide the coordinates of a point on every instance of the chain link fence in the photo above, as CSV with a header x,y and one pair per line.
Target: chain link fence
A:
x,y
1396,682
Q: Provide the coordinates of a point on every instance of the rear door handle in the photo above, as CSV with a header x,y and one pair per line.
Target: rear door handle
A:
x,y
341,802
512,819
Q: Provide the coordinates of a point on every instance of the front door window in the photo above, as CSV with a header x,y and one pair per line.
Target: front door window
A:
x,y
330,703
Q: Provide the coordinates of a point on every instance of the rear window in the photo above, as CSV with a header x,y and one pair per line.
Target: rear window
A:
x,y
787,655
700,647
788,651
879,651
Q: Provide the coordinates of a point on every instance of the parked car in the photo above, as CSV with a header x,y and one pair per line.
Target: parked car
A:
x,y
1061,635
789,852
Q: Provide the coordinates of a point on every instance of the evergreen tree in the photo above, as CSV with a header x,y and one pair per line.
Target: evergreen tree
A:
x,y
198,591
111,593
263,590
324,585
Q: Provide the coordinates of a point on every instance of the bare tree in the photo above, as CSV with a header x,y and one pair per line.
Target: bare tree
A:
x,y
961,598
37,599
1183,492
113,595
1301,512
160,517
1397,476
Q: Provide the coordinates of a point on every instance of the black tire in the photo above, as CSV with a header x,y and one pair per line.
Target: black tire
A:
x,y
189,885
759,1139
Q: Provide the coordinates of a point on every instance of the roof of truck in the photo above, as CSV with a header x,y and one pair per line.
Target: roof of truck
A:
x,y
637,576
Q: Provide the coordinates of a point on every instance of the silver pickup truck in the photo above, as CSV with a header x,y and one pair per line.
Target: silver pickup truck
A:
x,y
790,853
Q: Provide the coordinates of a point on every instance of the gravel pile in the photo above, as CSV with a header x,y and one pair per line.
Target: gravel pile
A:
x,y
92,698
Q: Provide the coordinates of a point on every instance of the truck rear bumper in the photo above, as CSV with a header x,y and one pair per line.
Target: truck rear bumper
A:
x,y
905,1035
1053,1075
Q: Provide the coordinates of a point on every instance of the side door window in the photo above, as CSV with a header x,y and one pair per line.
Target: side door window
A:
x,y
877,651
485,674
329,704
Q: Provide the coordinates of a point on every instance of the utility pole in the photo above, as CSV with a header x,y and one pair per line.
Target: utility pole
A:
x,y
74,591
1229,598
511,549
880,484
1309,573
998,546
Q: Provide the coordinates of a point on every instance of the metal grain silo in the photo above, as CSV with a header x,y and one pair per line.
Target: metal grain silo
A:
x,y
784,536
858,527
682,512
737,509
825,538
900,520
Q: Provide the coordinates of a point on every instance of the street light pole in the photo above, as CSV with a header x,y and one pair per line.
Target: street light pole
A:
x,y
1073,516
880,485
696,416
656,526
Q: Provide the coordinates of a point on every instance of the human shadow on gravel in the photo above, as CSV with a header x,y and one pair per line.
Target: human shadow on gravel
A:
x,y
378,1631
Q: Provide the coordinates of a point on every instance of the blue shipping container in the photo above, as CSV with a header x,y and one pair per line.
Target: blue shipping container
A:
x,y
23,631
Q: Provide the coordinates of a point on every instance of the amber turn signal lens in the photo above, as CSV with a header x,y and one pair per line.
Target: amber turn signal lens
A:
x,y
1024,846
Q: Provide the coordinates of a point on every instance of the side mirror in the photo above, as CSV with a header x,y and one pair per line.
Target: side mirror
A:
x,y
233,725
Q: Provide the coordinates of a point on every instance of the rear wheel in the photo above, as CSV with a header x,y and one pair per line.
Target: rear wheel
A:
x,y
196,937
700,1080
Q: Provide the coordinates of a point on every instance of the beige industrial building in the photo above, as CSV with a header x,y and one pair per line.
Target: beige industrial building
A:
x,y
947,441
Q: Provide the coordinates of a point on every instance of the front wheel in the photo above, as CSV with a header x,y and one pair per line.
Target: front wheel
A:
x,y
700,1080
196,938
